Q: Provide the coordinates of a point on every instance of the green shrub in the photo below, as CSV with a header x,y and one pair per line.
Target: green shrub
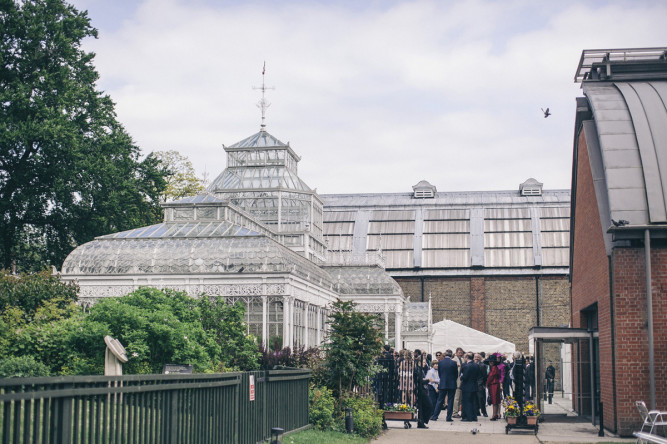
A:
x,y
367,417
22,367
322,407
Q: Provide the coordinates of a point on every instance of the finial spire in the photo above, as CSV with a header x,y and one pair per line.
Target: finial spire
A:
x,y
263,103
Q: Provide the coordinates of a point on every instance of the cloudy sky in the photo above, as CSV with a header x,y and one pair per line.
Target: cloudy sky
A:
x,y
373,95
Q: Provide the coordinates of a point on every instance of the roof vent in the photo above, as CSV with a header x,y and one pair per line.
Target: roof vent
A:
x,y
531,187
424,190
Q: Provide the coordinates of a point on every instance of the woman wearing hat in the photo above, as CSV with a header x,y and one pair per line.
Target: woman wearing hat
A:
x,y
493,385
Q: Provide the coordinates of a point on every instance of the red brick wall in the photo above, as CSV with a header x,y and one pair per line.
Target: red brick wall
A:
x,y
590,275
590,284
632,332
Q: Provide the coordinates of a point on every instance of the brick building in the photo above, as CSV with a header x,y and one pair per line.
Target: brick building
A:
x,y
496,261
619,233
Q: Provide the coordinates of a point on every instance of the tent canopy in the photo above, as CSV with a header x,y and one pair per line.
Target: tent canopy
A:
x,y
450,335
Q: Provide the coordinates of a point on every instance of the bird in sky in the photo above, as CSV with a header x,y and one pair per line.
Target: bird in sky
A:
x,y
546,112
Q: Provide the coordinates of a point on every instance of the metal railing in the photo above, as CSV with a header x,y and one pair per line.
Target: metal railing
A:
x,y
138,409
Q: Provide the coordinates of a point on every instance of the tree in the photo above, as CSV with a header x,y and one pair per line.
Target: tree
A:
x,y
182,181
355,341
68,169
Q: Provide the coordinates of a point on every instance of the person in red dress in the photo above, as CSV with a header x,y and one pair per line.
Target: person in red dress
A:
x,y
493,385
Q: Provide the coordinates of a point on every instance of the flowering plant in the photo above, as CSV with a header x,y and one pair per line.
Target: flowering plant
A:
x,y
389,407
511,407
531,409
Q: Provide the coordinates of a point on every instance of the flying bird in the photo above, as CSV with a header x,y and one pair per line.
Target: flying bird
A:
x,y
546,112
474,431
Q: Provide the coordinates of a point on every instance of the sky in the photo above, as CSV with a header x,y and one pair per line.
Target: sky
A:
x,y
373,95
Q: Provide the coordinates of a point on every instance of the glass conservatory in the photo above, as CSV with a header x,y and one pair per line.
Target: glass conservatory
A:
x,y
255,236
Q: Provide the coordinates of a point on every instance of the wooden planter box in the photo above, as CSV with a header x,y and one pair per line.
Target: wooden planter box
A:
x,y
400,416
532,420
511,420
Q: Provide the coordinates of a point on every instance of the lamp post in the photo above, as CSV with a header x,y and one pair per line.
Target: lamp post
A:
x,y
276,433
349,421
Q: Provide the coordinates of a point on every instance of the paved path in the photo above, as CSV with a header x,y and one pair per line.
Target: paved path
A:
x,y
460,432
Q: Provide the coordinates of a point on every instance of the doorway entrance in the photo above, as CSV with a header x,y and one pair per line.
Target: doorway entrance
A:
x,y
566,372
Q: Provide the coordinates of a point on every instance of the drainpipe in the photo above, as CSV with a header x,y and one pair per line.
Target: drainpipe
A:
x,y
649,313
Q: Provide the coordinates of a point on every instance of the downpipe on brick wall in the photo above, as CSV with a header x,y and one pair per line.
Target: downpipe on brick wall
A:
x,y
649,315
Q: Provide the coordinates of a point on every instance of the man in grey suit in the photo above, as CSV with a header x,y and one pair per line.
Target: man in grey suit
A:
x,y
448,372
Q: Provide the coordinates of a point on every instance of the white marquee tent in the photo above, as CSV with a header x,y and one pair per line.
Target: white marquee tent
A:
x,y
448,334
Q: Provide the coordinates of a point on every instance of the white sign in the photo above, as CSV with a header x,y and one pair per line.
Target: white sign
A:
x,y
252,387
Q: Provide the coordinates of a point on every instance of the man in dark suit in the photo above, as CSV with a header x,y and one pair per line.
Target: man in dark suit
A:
x,y
469,374
448,373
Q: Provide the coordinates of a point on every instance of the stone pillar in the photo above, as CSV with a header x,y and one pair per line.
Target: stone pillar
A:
x,y
319,326
306,325
477,304
397,329
286,321
386,324
265,322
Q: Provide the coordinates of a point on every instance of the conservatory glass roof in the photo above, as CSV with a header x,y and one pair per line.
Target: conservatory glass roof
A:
x,y
350,280
260,139
258,178
187,255
184,229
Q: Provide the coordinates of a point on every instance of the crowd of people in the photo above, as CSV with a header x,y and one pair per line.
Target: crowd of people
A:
x,y
460,383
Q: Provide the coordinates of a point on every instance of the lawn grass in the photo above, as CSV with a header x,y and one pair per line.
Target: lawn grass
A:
x,y
316,436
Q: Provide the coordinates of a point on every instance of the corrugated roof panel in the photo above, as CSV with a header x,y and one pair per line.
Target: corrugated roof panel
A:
x,y
508,240
338,228
398,259
391,227
554,225
515,257
446,258
555,257
447,214
447,226
499,225
339,216
445,241
546,212
336,243
381,215
507,213
556,239
390,242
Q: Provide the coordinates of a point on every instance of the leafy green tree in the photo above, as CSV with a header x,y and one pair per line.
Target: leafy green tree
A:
x,y
28,292
182,181
68,169
355,341
226,323
157,327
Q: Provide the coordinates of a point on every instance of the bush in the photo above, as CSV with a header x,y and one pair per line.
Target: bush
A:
x,y
367,417
22,367
322,407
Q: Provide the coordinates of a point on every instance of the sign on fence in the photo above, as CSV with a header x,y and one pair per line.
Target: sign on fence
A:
x,y
252,387
177,369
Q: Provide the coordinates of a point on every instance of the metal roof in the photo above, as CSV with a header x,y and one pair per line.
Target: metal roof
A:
x,y
631,124
454,232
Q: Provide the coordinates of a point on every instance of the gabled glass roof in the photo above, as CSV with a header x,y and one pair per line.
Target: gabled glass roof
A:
x,y
258,178
199,198
215,228
260,139
350,280
240,254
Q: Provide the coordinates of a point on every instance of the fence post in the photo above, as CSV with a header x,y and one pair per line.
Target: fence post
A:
x,y
173,418
63,419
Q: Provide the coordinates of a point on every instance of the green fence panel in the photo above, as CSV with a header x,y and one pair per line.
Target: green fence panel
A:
x,y
152,409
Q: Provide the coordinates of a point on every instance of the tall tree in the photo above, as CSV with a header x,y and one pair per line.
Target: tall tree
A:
x,y
354,342
182,181
68,169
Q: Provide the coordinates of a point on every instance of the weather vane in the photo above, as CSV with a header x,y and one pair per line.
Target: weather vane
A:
x,y
263,104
